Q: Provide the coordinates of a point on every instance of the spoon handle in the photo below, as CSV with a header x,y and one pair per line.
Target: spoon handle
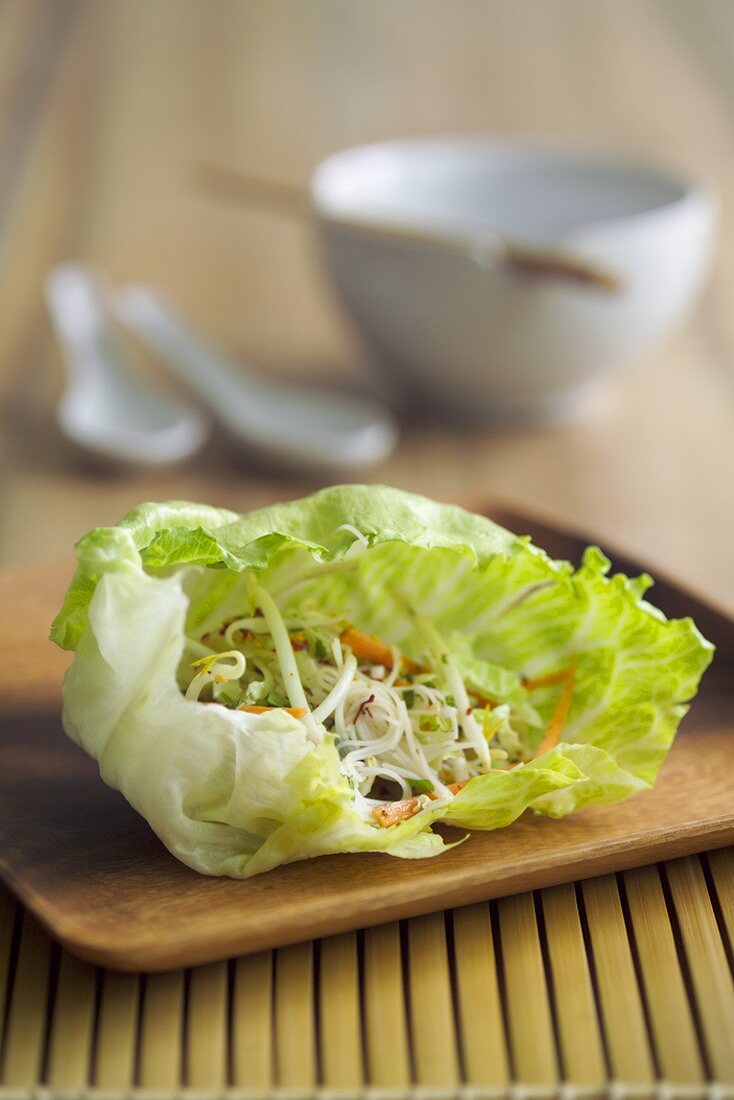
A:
x,y
75,302
292,423
207,373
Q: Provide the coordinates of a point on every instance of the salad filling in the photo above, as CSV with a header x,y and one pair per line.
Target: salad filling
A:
x,y
409,732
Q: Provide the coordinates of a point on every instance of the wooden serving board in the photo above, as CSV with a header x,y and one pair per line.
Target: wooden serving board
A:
x,y
96,876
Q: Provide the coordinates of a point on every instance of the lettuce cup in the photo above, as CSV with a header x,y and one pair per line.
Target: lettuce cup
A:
x,y
343,672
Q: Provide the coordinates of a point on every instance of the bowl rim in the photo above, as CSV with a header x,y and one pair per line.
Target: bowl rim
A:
x,y
692,191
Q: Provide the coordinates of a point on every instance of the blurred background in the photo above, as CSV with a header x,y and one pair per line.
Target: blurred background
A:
x,y
107,107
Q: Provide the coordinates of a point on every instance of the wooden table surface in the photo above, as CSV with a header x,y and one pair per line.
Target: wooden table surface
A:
x,y
104,108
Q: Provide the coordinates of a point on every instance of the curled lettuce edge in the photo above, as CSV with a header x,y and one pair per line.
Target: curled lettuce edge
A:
x,y
235,793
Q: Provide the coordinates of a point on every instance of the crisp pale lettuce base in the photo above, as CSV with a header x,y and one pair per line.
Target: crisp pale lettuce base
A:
x,y
232,793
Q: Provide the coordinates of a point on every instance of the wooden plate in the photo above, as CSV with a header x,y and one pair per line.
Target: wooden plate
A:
x,y
95,875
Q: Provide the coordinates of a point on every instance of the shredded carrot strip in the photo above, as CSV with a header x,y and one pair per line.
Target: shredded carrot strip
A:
x,y
558,720
372,649
546,681
297,712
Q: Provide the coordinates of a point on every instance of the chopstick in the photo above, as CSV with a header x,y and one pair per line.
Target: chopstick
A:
x,y
484,245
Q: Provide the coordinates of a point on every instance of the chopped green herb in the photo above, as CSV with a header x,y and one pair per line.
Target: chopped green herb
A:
x,y
320,651
409,698
450,701
275,700
420,786
229,695
431,723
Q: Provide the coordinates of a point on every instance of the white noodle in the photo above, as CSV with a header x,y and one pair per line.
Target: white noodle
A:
x,y
436,740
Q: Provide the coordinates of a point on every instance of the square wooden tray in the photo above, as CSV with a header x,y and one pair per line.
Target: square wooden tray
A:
x,y
100,881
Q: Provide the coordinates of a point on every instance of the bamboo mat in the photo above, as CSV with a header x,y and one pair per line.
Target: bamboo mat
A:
x,y
617,986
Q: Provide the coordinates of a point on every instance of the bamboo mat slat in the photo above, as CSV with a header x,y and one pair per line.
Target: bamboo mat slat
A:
x,y
252,1022
617,987
669,1009
339,1013
627,1040
115,1054
721,866
579,1038
481,1033
72,1024
707,964
23,1053
7,922
295,1026
161,1031
432,1035
386,1031
206,1027
532,1042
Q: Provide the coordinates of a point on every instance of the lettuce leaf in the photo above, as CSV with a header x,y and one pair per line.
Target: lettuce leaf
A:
x,y
235,793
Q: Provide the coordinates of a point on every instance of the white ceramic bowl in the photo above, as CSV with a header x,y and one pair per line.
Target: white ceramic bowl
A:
x,y
482,339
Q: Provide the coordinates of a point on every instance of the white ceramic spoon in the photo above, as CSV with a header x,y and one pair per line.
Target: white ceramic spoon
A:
x,y
107,407
288,423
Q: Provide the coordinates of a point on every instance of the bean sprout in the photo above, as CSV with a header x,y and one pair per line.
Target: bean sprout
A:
x,y
212,671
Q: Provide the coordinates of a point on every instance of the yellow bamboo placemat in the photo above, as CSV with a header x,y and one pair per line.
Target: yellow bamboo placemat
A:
x,y
619,986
